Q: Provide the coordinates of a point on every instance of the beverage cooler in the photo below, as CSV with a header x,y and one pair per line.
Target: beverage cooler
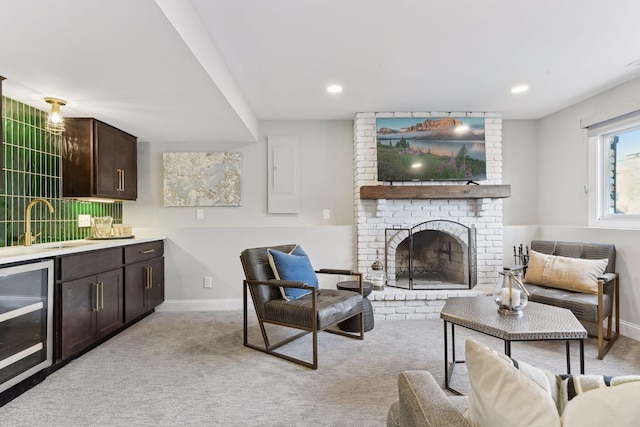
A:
x,y
26,321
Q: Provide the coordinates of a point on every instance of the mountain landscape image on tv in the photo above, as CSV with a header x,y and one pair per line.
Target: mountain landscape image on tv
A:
x,y
431,149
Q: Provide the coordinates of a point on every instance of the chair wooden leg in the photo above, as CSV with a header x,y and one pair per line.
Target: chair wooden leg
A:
x,y
612,334
601,319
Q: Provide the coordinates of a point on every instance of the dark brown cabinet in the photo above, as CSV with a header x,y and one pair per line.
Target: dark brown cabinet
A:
x,y
98,160
89,298
91,309
98,292
144,278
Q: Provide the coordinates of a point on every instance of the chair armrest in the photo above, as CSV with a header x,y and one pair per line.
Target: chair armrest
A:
x,y
607,277
344,273
280,283
336,271
422,402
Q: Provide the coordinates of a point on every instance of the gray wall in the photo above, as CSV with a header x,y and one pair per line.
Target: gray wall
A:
x,y
563,172
210,247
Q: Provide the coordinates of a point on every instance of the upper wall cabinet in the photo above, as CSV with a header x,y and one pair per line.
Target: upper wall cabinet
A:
x,y
98,160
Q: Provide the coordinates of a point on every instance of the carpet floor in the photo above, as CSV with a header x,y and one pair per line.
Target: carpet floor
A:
x,y
191,369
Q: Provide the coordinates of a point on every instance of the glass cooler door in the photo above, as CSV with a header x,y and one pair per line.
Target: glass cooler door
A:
x,y
26,321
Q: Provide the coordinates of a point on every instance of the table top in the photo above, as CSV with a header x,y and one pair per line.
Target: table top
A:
x,y
354,285
537,322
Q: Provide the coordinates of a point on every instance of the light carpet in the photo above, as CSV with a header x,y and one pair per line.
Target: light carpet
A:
x,y
191,369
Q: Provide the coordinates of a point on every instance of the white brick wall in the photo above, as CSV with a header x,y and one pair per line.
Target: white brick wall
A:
x,y
373,216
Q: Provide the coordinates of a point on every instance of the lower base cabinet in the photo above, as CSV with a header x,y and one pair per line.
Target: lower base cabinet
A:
x,y
91,308
99,292
144,287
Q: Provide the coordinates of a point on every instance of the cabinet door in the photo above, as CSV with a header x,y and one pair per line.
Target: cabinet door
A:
x,y
116,163
127,162
144,287
106,154
109,317
78,306
135,303
155,294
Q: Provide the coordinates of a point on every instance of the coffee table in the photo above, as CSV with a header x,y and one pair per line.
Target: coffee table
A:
x,y
538,322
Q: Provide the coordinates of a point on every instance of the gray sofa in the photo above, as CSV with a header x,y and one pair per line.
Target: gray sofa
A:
x,y
588,308
422,402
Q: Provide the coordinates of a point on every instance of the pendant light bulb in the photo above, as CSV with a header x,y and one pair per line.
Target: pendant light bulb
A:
x,y
55,121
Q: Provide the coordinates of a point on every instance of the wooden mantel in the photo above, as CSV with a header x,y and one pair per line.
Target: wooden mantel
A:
x,y
435,191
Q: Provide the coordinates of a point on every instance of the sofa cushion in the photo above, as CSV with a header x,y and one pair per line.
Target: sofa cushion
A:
x,y
333,306
294,266
574,274
583,306
608,406
507,393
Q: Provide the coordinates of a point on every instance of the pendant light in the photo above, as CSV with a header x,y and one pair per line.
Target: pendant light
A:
x,y
55,121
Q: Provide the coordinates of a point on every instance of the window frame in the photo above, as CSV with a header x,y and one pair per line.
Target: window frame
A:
x,y
599,161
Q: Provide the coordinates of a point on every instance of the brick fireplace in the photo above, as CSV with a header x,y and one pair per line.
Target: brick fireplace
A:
x,y
382,224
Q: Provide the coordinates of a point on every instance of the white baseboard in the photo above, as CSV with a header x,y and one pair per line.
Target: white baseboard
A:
x,y
200,305
630,330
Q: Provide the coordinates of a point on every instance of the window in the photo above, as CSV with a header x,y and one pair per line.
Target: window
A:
x,y
623,162
616,201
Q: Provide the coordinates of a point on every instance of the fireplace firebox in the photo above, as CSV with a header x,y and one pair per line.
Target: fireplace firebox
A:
x,y
437,254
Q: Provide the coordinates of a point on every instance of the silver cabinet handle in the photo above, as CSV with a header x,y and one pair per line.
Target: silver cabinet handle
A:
x,y
97,306
102,295
147,251
120,185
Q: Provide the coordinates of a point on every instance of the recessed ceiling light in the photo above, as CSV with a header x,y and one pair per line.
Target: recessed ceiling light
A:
x,y
334,89
519,89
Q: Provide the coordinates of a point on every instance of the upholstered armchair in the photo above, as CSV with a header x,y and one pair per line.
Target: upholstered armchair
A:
x,y
284,290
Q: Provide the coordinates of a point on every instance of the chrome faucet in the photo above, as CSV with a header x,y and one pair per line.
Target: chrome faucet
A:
x,y
28,239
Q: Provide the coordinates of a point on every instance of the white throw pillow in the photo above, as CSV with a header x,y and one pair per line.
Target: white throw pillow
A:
x,y
570,386
503,396
572,274
609,406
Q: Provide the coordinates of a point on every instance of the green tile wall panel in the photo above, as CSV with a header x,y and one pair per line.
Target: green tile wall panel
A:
x,y
32,168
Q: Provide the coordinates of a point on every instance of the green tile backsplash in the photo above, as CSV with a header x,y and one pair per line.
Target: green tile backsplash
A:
x,y
32,169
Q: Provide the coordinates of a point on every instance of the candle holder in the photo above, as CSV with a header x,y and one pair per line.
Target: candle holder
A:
x,y
510,293
376,274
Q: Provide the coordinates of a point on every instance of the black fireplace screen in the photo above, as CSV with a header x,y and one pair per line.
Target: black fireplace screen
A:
x,y
438,254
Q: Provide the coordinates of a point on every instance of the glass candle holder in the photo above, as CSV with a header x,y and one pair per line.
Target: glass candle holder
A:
x,y
510,293
376,274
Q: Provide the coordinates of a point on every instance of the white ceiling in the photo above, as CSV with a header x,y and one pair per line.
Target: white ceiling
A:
x,y
209,70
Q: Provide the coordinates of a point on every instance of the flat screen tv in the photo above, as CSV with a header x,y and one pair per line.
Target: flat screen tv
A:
x,y
431,149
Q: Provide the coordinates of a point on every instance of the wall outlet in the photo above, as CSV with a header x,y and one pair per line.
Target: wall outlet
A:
x,y
199,213
326,214
84,220
208,282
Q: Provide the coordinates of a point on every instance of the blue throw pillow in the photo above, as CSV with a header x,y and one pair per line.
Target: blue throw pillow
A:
x,y
294,266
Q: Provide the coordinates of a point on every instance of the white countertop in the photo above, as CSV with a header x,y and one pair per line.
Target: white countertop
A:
x,y
13,254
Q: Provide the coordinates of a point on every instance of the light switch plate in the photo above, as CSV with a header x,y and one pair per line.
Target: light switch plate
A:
x,y
84,220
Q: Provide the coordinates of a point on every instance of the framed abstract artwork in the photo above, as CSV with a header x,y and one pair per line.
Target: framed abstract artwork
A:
x,y
202,179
